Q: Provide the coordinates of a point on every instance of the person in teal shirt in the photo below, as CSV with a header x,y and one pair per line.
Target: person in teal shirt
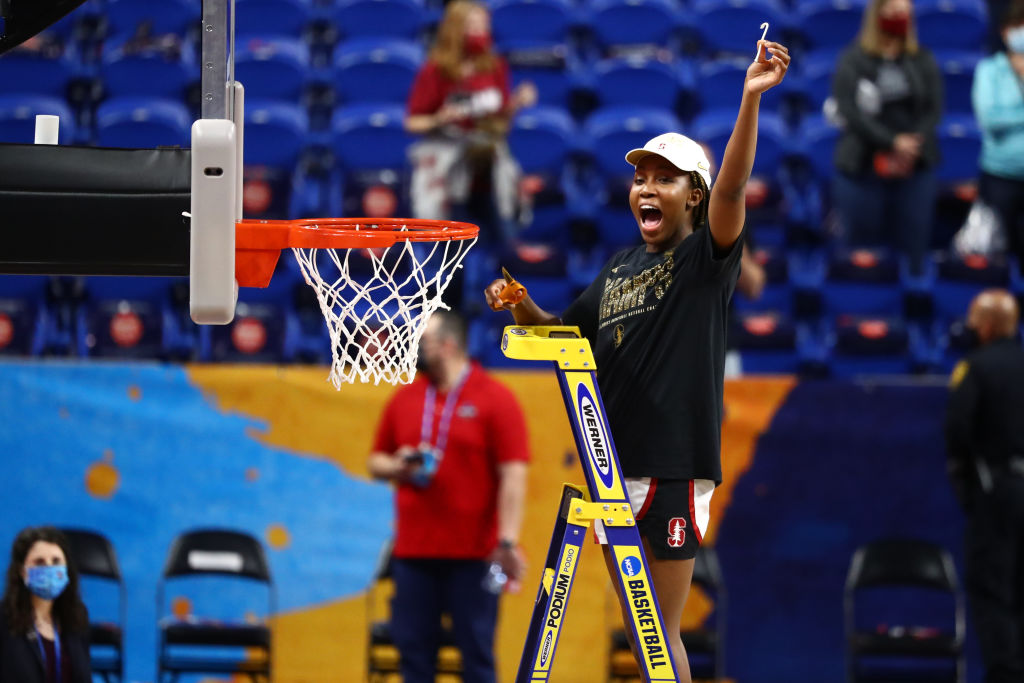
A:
x,y
998,98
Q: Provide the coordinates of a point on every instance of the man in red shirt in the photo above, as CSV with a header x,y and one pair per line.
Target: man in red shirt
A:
x,y
454,442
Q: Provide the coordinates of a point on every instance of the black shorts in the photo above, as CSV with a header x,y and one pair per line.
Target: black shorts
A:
x,y
672,514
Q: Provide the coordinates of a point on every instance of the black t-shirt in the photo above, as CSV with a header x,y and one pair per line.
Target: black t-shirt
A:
x,y
657,324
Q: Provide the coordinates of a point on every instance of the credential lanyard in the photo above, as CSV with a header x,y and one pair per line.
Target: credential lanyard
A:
x,y
56,649
446,413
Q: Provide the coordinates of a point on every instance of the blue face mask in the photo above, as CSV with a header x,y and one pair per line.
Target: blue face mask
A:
x,y
47,582
1015,40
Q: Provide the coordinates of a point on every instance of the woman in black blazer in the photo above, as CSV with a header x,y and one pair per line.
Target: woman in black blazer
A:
x,y
43,624
888,93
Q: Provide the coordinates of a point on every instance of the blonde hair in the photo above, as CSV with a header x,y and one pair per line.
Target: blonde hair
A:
x,y
447,51
870,36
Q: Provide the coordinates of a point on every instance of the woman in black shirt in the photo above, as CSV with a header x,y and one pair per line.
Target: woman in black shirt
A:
x,y
888,92
656,319
43,623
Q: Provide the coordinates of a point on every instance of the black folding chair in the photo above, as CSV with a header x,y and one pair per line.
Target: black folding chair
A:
x,y
910,564
94,556
215,552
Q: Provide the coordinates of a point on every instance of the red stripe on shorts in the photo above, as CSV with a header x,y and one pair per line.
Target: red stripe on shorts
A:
x,y
693,516
648,500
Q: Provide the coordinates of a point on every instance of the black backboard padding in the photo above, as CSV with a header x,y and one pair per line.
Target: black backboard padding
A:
x,y
25,18
94,211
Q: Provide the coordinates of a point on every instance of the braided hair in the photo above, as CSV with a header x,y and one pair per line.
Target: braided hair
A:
x,y
700,212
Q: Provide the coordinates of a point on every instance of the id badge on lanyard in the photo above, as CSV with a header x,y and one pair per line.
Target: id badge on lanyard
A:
x,y
56,649
436,449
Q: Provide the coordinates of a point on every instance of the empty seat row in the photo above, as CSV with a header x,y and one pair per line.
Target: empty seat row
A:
x,y
606,23
196,635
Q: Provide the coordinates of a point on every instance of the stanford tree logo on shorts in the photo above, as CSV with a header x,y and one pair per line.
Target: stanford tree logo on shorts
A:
x,y
676,532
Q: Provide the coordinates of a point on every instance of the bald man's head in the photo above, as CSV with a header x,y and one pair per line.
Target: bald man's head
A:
x,y
993,315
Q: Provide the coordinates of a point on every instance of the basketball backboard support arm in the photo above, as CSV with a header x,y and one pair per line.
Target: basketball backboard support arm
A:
x,y
217,144
214,47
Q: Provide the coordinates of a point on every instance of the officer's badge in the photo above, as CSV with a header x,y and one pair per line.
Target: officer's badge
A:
x,y
959,372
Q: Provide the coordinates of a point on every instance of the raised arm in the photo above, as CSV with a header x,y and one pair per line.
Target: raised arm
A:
x,y
727,208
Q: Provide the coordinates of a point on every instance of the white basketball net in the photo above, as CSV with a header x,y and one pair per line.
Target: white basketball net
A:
x,y
377,301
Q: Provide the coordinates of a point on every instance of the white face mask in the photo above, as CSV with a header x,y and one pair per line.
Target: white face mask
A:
x,y
1015,39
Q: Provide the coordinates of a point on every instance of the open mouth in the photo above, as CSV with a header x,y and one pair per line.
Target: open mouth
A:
x,y
650,217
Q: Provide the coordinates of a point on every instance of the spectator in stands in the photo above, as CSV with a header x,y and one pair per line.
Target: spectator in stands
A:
x,y
995,41
454,443
985,451
43,624
998,98
888,92
461,102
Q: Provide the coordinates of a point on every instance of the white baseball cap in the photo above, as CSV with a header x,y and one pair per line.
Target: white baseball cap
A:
x,y
679,150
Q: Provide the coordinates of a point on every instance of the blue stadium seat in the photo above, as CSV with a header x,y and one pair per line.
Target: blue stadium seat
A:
x,y
778,291
816,144
713,128
951,24
140,122
609,133
272,18
275,133
960,142
720,84
619,80
732,27
23,72
275,183
131,69
273,68
370,136
130,317
80,29
58,317
952,343
551,66
829,24
22,314
262,332
864,346
623,26
126,17
375,70
371,147
958,279
957,78
542,140
863,282
402,19
540,20
484,341
816,71
769,342
18,117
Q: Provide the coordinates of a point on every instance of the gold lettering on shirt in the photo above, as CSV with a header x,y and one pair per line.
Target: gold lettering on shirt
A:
x,y
625,293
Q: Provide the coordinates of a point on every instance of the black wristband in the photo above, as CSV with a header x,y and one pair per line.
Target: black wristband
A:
x,y
506,544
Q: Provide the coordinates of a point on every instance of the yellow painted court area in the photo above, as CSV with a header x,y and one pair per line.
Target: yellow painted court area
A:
x,y
327,643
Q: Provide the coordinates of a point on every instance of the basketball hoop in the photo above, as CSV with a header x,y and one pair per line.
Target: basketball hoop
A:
x,y
377,282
